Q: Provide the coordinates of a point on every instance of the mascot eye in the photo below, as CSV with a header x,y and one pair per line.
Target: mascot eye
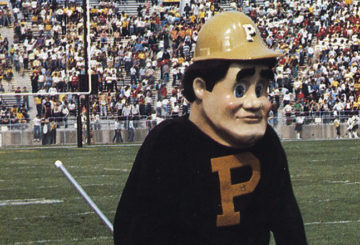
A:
x,y
259,89
239,90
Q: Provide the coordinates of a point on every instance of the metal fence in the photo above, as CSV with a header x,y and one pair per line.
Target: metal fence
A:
x,y
316,126
144,122
107,122
315,117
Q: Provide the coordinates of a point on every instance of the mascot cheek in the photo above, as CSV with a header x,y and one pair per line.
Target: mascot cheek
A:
x,y
230,103
267,106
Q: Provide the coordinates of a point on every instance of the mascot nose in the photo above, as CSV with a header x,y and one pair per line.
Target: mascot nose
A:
x,y
252,102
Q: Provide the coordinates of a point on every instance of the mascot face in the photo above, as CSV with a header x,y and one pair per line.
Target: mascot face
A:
x,y
235,112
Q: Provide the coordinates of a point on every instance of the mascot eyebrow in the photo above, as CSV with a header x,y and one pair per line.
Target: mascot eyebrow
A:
x,y
268,73
248,72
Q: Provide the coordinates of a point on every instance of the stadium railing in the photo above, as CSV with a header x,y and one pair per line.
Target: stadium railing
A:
x,y
319,126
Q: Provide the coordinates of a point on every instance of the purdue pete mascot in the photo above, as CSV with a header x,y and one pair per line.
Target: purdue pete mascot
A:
x,y
219,176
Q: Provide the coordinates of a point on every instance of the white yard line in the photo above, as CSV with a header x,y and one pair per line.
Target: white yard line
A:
x,y
18,202
117,169
52,187
334,222
315,200
21,167
91,176
70,214
47,187
80,197
345,182
336,159
33,201
64,240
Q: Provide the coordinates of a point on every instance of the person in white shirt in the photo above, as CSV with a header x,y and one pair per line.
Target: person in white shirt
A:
x,y
131,131
117,138
37,128
158,108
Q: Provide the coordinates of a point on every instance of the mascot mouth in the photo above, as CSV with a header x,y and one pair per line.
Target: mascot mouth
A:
x,y
251,118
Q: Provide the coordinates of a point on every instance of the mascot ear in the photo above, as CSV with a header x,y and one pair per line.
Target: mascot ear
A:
x,y
199,87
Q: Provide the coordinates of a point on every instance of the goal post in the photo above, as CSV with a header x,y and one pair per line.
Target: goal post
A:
x,y
78,84
85,85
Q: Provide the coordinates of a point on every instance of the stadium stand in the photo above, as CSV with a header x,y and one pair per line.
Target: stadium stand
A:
x,y
139,51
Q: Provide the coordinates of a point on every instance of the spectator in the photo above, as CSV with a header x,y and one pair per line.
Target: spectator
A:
x,y
131,132
337,127
117,138
299,125
25,103
52,132
37,128
18,98
45,131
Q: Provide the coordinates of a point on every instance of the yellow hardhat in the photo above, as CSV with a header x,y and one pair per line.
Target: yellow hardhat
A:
x,y
232,36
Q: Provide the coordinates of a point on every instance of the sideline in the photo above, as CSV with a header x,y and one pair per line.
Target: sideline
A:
x,y
65,240
316,140
39,147
67,147
19,202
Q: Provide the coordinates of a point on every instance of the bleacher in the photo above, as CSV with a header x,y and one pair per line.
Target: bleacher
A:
x,y
129,6
8,101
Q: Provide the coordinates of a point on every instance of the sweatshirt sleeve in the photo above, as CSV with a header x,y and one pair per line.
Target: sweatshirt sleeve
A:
x,y
147,210
285,218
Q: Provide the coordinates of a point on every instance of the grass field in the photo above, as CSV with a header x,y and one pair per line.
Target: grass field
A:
x,y
39,206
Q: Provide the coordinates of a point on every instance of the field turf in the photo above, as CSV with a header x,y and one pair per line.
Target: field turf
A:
x,y
39,206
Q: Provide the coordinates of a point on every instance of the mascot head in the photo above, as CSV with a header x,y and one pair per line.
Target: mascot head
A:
x,y
227,83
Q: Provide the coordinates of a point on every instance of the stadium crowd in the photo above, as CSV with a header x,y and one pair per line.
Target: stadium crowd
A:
x,y
139,59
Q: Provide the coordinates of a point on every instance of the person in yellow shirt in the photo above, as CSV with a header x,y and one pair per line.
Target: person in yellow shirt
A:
x,y
93,25
20,117
357,86
181,60
192,18
105,11
124,28
48,28
12,50
335,84
202,16
34,19
174,34
189,32
182,34
14,110
93,12
311,9
356,105
142,57
38,104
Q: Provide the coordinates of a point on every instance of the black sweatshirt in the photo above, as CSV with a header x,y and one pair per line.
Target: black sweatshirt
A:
x,y
185,188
